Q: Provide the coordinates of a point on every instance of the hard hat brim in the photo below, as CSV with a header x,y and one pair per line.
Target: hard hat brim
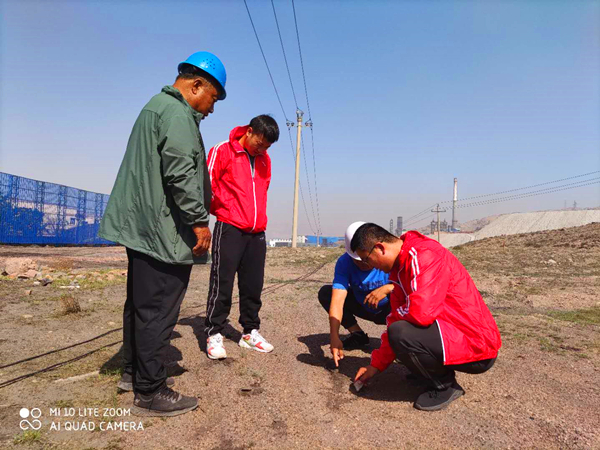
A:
x,y
220,89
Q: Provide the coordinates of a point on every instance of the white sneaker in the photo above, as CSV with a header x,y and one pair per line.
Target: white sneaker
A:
x,y
256,342
214,347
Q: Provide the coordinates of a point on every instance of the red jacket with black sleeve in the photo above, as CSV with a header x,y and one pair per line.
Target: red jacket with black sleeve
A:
x,y
431,285
239,197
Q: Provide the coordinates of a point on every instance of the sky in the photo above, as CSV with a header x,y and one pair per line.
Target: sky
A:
x,y
404,97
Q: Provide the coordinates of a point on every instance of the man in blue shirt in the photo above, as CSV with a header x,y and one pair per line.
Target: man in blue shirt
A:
x,y
358,290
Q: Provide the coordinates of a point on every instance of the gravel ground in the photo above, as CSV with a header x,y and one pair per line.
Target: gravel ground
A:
x,y
542,393
517,223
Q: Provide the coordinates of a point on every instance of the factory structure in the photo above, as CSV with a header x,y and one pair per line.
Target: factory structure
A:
x,y
309,241
433,226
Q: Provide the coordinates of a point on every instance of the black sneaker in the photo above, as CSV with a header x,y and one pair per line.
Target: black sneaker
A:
x,y
356,340
165,403
434,400
126,382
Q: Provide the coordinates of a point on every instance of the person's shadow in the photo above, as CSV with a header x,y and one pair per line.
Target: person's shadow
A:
x,y
114,365
197,325
390,385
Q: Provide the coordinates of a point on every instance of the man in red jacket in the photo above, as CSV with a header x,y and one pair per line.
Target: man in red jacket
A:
x,y
438,323
240,173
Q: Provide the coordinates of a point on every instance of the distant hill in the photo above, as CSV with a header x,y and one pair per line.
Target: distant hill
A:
x,y
519,223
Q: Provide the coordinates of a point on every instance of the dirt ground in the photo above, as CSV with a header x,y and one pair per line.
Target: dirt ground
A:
x,y
543,289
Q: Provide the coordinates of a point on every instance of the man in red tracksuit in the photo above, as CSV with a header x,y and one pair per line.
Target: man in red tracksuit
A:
x,y
240,173
439,323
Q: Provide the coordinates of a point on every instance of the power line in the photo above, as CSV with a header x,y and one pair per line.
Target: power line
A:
x,y
266,291
301,60
419,214
533,194
515,197
413,222
265,59
300,184
526,187
312,140
309,123
308,182
284,55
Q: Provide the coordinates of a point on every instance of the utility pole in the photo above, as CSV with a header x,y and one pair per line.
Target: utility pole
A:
x,y
299,115
438,211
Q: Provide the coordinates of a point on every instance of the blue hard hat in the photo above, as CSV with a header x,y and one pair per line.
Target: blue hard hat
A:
x,y
210,64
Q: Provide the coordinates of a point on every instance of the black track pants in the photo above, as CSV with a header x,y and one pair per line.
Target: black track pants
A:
x,y
155,291
234,251
420,350
352,309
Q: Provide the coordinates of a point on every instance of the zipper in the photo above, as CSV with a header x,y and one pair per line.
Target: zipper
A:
x,y
253,187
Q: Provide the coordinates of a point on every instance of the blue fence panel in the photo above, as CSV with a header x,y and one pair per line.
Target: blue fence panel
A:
x,y
37,212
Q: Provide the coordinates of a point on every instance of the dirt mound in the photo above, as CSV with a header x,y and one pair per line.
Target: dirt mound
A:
x,y
582,237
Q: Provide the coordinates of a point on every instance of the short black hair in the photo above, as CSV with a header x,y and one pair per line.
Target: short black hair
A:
x,y
266,126
369,234
190,72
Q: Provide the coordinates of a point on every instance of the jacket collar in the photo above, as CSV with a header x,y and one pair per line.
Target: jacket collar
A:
x,y
408,239
234,137
174,92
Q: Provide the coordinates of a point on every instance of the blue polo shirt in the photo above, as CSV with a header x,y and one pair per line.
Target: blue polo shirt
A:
x,y
362,282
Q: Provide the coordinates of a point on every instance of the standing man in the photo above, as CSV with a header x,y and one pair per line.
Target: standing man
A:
x,y
240,173
358,290
439,323
158,209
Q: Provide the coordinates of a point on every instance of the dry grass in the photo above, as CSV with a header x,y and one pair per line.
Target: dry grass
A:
x,y
69,305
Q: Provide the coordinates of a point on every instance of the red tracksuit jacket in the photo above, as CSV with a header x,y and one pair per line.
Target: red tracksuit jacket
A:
x,y
238,197
431,285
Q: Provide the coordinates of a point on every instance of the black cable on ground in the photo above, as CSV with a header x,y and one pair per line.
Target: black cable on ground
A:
x,y
4,384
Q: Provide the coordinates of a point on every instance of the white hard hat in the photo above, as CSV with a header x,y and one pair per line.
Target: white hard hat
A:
x,y
349,235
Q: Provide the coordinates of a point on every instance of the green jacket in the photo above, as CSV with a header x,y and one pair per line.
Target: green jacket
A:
x,y
163,186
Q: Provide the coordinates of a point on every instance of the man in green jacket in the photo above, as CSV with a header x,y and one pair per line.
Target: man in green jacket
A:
x,y
159,210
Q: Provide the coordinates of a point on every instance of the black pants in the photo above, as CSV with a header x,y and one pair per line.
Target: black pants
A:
x,y
352,309
234,251
420,350
155,291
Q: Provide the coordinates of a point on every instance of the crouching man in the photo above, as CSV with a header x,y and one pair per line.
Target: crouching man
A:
x,y
439,323
358,290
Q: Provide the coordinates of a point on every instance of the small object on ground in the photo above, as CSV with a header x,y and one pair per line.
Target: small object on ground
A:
x,y
215,348
357,339
256,342
28,292
330,365
36,283
27,316
164,403
358,385
434,400
45,281
78,377
28,274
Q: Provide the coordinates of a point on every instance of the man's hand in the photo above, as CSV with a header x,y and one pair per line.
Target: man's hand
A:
x,y
364,374
203,237
337,350
375,296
